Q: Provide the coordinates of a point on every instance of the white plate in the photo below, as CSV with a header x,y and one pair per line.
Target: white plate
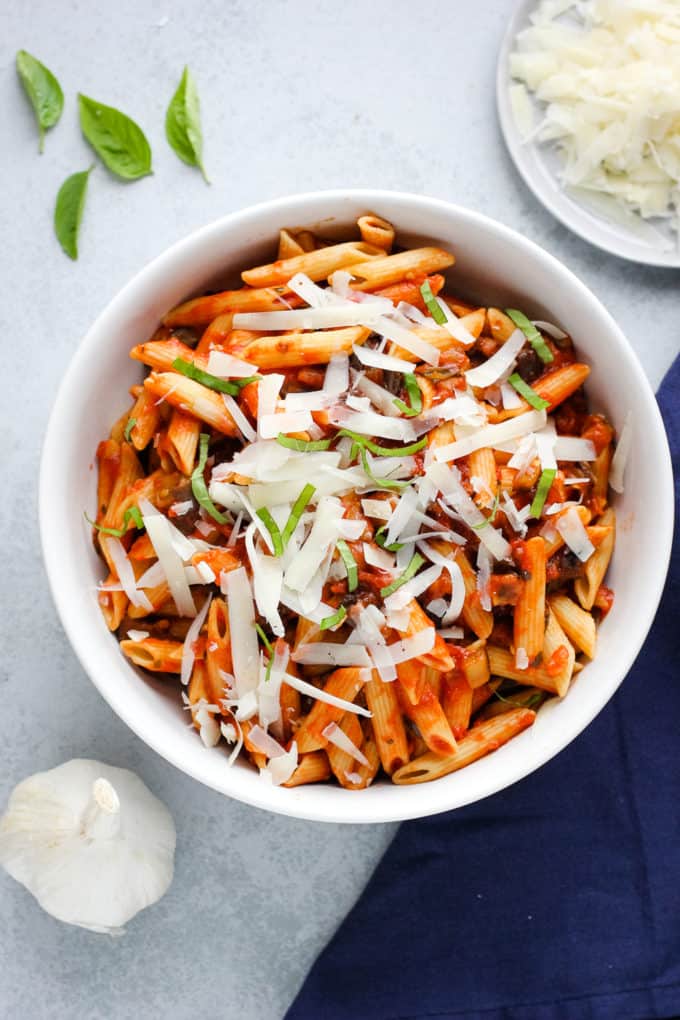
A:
x,y
538,165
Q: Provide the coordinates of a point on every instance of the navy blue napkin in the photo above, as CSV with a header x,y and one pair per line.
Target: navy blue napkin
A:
x,y
557,899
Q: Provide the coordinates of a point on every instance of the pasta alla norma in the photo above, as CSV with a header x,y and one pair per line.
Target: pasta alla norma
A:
x,y
362,524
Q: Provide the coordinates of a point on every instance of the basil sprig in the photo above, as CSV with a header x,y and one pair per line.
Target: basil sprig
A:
x,y
183,123
118,141
68,212
43,91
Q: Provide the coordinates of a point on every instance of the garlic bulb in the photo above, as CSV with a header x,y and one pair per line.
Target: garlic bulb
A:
x,y
90,842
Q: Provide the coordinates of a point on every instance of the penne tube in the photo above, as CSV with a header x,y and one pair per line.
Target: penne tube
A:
x,y
457,305
365,773
473,663
577,624
594,569
313,767
290,350
553,540
478,619
558,385
201,311
160,354
341,762
317,265
479,741
289,246
215,335
192,397
108,464
558,654
502,663
457,703
388,725
438,657
410,292
182,440
412,678
376,231
389,269
113,604
146,417
129,471
154,654
500,325
600,471
428,715
291,707
343,683
529,617
482,465
218,659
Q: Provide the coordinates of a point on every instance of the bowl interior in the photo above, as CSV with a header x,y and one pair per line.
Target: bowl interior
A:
x,y
494,266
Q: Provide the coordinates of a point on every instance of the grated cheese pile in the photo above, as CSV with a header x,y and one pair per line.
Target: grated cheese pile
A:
x,y
608,74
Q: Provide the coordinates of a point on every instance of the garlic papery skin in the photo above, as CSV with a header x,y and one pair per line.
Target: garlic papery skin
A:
x,y
90,842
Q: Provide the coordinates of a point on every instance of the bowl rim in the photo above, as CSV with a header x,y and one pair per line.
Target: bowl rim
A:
x,y
352,809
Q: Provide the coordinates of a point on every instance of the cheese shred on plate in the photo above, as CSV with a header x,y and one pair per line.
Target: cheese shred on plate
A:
x,y
606,77
373,514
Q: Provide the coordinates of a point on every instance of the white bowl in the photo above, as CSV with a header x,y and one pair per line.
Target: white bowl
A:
x,y
494,265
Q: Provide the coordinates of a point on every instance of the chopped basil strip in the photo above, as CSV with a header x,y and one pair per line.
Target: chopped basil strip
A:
x,y
303,445
131,514
414,395
198,486
43,91
264,639
273,529
525,390
414,566
131,422
380,540
330,621
432,304
382,483
532,334
350,564
297,512
383,451
544,483
213,382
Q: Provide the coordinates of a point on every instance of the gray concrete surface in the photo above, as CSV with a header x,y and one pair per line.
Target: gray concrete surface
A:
x,y
297,95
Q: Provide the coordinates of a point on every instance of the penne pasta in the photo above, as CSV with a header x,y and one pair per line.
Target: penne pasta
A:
x,y
388,725
384,270
376,231
587,586
529,617
577,624
481,740
317,265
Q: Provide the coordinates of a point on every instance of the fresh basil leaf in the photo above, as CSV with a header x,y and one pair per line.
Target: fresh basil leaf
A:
x,y
183,123
118,141
68,211
43,90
